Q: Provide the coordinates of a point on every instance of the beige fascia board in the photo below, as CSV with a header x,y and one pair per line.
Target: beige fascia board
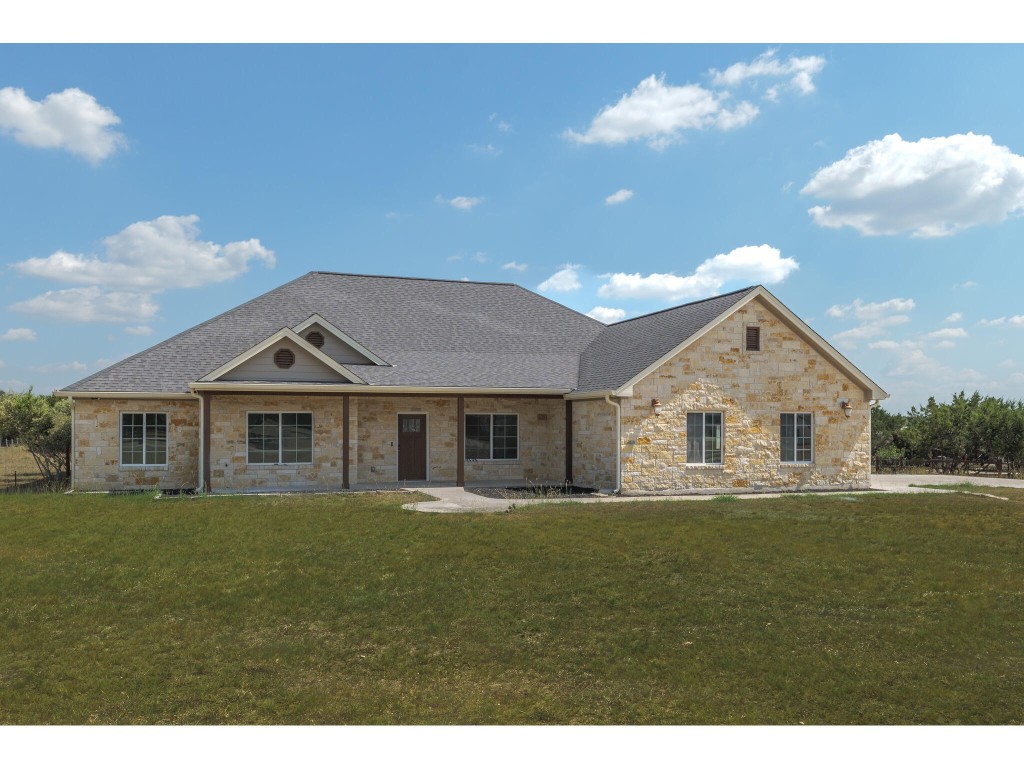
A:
x,y
593,395
871,390
83,395
292,336
316,319
366,389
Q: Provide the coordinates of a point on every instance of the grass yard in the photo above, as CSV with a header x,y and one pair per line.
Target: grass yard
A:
x,y
348,609
16,463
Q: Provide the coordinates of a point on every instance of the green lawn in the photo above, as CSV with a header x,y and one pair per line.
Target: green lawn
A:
x,y
348,609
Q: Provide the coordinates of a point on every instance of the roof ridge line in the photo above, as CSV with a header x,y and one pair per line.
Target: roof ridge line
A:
x,y
406,277
688,304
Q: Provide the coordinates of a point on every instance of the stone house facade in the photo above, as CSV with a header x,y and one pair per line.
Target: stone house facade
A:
x,y
334,382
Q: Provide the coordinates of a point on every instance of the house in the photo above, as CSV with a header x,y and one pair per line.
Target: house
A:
x,y
337,381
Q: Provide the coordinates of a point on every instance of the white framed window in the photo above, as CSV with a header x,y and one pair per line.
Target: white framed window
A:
x,y
796,438
144,439
704,439
492,436
279,438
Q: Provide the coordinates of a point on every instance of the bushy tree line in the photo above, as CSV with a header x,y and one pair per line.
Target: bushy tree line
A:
x,y
968,433
42,424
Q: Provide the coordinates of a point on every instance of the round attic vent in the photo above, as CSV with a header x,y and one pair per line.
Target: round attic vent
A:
x,y
284,358
315,338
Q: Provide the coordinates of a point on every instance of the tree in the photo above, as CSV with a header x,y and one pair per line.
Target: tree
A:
x,y
42,423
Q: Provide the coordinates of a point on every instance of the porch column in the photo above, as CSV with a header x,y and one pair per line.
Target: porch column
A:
x,y
568,442
206,442
344,442
460,441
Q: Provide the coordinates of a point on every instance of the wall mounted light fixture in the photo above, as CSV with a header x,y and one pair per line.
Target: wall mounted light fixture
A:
x,y
656,405
847,407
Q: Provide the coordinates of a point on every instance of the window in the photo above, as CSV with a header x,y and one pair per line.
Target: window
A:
x,y
753,338
492,436
144,439
704,438
280,438
796,438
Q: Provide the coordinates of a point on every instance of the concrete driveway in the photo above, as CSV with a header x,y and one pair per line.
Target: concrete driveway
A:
x,y
902,483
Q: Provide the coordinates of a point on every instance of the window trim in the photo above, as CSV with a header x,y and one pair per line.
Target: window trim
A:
x,y
491,459
280,441
120,439
703,437
795,462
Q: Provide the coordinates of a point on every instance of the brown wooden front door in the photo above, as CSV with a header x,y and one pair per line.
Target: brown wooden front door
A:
x,y
412,446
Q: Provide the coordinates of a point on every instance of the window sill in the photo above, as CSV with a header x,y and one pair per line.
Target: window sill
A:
x,y
143,466
796,464
492,461
705,466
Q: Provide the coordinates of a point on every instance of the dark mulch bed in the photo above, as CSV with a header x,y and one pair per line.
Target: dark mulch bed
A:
x,y
534,492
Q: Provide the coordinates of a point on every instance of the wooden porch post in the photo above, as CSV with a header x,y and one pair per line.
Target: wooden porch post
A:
x,y
568,442
206,442
460,442
344,442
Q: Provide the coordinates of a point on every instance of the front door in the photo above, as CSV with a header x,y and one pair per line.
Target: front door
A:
x,y
412,446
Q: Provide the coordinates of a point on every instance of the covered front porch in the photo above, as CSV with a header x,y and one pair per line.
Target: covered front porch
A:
x,y
329,441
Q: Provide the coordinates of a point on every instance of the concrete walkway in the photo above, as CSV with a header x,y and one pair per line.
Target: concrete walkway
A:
x,y
453,499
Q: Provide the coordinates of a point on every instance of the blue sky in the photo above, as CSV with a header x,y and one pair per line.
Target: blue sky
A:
x,y
875,189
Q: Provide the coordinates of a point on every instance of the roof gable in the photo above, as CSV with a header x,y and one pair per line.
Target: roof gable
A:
x,y
337,344
309,363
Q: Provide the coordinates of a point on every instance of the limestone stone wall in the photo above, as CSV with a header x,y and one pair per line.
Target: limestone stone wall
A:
x,y
593,444
229,470
751,389
96,453
541,441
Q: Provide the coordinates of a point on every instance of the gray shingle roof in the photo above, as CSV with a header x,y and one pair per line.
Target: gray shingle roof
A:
x,y
433,333
626,348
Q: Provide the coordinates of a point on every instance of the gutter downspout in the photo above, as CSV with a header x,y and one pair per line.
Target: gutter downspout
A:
x,y
71,456
618,443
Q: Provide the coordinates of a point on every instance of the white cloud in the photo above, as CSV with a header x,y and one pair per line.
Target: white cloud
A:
x,y
74,367
90,305
480,257
929,188
658,113
871,311
947,334
955,317
876,317
514,265
153,255
485,149
869,330
460,203
799,71
618,197
565,279
141,260
139,330
501,124
966,285
18,334
749,263
1014,320
607,314
71,120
